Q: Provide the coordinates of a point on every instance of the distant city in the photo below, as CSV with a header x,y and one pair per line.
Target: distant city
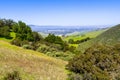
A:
x,y
65,30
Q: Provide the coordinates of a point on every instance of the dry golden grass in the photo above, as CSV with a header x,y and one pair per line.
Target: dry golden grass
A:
x,y
30,64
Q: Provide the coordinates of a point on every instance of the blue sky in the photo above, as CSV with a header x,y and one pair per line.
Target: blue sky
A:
x,y
62,12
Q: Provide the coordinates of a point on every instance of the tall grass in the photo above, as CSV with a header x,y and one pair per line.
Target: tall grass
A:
x,y
30,64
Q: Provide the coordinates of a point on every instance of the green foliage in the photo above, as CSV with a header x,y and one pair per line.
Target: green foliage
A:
x,y
13,76
98,62
74,76
26,38
23,32
71,41
37,36
43,49
15,27
53,50
27,46
53,39
6,22
61,55
18,42
50,38
5,28
5,32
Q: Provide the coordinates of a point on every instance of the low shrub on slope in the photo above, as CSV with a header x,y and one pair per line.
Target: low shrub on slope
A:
x,y
99,62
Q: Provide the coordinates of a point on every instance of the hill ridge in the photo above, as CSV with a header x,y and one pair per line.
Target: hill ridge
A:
x,y
109,37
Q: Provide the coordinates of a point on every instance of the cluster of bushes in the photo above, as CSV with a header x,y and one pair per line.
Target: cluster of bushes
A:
x,y
24,34
24,37
12,76
57,48
51,38
99,62
5,27
71,41
54,51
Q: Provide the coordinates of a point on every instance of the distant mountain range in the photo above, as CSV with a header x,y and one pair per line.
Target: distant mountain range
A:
x,y
63,30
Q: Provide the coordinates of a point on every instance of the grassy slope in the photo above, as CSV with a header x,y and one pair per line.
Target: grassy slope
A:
x,y
110,37
92,34
31,65
83,46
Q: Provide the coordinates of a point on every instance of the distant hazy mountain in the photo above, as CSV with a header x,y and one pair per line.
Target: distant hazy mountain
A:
x,y
63,30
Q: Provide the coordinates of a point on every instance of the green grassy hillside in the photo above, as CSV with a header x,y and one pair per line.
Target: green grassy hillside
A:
x,y
91,34
110,37
30,64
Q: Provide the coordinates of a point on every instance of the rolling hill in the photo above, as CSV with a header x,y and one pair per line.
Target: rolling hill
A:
x,y
91,34
79,36
30,64
110,37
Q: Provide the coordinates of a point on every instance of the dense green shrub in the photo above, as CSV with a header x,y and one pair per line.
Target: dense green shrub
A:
x,y
74,76
36,36
51,38
98,62
23,31
54,39
24,35
71,41
27,46
17,42
13,76
43,48
5,32
5,28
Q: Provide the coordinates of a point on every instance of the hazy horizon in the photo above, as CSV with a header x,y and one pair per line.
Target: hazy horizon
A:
x,y
62,12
